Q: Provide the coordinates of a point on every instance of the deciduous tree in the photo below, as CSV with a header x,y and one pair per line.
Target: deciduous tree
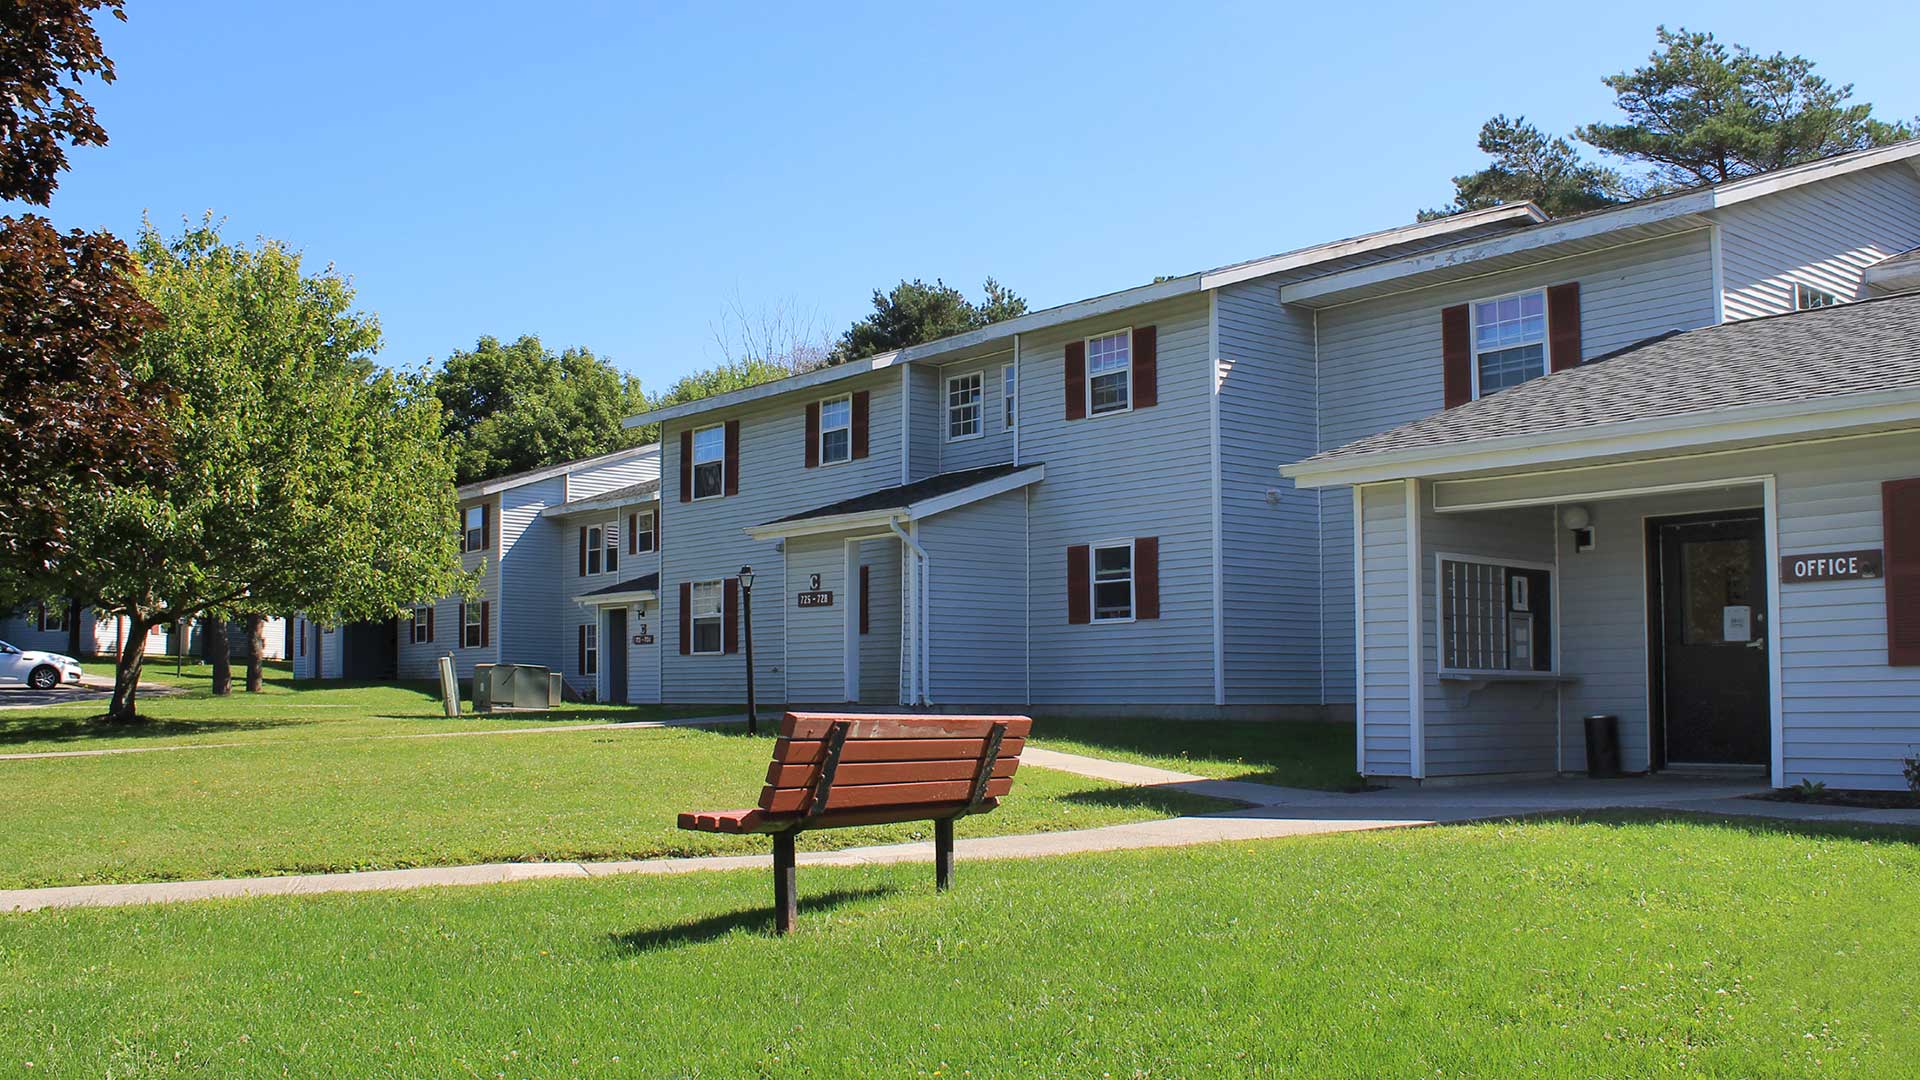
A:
x,y
518,406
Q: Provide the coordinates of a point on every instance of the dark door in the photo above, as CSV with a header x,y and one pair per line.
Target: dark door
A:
x,y
1713,624
615,651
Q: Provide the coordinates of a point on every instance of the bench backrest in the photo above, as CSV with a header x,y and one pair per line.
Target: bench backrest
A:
x,y
891,762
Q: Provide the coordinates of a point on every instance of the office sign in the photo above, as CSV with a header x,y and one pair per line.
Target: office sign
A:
x,y
815,598
1830,566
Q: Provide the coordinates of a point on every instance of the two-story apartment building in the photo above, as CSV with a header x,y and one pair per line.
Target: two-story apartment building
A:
x,y
567,564
1081,508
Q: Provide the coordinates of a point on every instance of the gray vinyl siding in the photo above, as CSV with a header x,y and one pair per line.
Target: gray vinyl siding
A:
x,y
1271,548
979,596
1603,619
816,637
705,540
568,585
587,482
1385,710
994,444
1473,728
880,645
927,431
1142,473
530,617
422,660
1824,235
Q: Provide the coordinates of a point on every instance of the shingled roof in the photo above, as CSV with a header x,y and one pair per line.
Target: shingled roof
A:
x,y
1858,348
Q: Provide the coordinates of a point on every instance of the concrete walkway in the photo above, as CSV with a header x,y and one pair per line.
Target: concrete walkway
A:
x,y
1269,812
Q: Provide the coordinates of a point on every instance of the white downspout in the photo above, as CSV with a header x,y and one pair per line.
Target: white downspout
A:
x,y
922,577
1016,400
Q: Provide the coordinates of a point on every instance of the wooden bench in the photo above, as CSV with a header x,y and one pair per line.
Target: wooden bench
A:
x,y
833,770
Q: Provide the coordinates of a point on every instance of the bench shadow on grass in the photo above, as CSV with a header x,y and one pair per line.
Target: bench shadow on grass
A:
x,y
1166,800
633,942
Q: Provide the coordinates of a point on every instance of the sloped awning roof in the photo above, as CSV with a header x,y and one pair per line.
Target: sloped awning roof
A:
x,y
644,587
904,502
644,491
1851,367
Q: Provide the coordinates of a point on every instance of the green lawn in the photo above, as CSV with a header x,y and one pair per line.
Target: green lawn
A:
x,y
1291,753
1648,948
333,803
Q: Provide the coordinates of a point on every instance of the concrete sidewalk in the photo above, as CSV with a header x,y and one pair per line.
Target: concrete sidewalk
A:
x,y
1270,812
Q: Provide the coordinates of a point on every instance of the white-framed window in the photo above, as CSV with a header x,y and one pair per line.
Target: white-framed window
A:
x,y
473,633
709,617
594,548
590,655
53,616
710,462
1509,341
1112,586
610,538
963,406
1806,297
836,430
422,624
643,532
473,524
1009,396
1495,615
1110,372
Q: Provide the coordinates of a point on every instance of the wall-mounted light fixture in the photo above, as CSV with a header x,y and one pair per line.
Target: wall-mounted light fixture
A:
x,y
1579,520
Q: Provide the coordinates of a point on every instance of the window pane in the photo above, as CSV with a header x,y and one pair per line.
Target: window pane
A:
x,y
710,444
837,413
1109,392
963,406
1510,367
1109,353
1718,575
707,478
706,598
706,636
1111,561
836,445
1008,392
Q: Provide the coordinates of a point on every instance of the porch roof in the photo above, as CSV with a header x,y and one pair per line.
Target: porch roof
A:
x,y
922,498
644,491
644,587
1851,367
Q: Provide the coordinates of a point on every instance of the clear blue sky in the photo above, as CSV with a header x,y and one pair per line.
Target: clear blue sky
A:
x,y
612,176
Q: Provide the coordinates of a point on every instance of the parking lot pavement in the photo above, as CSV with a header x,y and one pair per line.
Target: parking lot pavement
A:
x,y
24,697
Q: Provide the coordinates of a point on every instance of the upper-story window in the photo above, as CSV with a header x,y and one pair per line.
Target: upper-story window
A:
x,y
1009,394
1109,372
594,549
610,540
963,406
643,532
1509,341
709,462
836,430
473,524
1806,298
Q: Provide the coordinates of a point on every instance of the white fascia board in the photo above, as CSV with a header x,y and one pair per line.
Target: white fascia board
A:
x,y
816,377
1359,245
505,483
638,596
878,519
1693,431
1753,187
588,506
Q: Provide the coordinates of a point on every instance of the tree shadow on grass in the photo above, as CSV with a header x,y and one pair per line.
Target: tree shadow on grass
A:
x,y
1291,753
73,729
634,942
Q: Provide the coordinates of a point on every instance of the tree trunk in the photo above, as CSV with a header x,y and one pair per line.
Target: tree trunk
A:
x,y
73,629
256,650
219,654
126,671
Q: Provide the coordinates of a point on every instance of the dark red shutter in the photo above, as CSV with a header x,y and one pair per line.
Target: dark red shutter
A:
x,y
730,615
1146,366
1456,352
686,618
859,433
1079,584
686,465
633,534
429,624
486,623
1563,326
866,590
733,457
581,649
813,434
460,627
1900,520
656,531
583,551
1076,380
1146,577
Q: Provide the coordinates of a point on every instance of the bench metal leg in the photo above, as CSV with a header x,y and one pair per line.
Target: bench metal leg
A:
x,y
943,854
786,905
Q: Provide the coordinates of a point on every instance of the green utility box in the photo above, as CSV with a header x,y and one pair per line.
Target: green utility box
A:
x,y
500,687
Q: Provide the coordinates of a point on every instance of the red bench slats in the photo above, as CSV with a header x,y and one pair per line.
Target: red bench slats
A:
x,y
856,773
816,726
808,751
794,800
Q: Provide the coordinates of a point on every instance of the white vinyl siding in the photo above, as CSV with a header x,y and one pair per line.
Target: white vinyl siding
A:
x,y
1824,235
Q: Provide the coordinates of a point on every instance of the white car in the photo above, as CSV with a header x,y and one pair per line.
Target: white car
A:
x,y
40,670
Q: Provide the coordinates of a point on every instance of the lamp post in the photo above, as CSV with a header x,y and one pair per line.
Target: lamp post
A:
x,y
746,609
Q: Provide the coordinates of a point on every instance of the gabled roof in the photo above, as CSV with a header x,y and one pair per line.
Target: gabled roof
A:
x,y
904,502
1374,244
548,472
1850,366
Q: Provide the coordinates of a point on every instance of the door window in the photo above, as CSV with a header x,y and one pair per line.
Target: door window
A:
x,y
1718,598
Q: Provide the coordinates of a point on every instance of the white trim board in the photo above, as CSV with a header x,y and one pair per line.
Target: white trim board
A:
x,y
912,512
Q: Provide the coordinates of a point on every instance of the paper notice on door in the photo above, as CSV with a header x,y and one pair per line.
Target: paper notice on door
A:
x,y
1736,623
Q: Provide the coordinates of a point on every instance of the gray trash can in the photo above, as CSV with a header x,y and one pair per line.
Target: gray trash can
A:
x,y
1603,746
